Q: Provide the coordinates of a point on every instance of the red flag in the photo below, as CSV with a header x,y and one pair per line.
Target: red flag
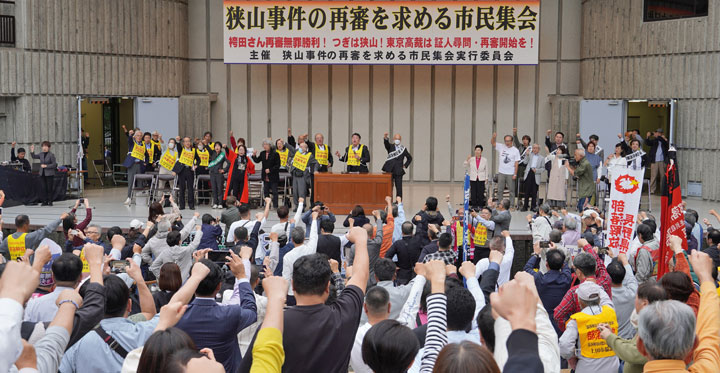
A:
x,y
672,217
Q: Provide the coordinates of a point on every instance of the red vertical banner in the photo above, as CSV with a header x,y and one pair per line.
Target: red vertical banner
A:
x,y
672,221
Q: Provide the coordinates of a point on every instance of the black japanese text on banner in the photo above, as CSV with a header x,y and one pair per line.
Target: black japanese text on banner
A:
x,y
381,32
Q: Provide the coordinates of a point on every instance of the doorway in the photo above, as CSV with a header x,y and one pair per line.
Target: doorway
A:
x,y
647,116
102,119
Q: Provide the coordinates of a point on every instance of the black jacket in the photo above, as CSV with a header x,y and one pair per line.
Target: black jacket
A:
x,y
396,166
179,167
654,142
628,150
311,149
329,245
25,163
272,163
364,160
408,251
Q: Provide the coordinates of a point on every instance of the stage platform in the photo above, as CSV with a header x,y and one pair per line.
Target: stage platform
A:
x,y
108,208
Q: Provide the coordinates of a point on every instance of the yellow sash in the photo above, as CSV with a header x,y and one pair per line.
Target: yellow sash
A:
x,y
168,160
480,238
283,157
591,344
204,157
156,143
187,157
322,155
150,150
16,246
458,233
351,161
300,161
138,151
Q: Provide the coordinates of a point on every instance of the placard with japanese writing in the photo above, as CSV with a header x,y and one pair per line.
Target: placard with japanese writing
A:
x,y
382,32
624,203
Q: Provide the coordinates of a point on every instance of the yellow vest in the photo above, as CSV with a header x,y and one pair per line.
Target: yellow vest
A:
x,y
187,157
300,161
150,150
322,155
168,160
86,266
138,151
16,246
591,344
480,238
283,157
458,233
204,157
351,161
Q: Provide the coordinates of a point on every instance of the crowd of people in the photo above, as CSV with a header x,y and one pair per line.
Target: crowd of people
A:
x,y
230,165
396,292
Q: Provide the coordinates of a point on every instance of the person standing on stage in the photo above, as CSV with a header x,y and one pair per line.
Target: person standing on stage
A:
x,y
270,161
301,166
285,151
477,168
136,157
357,155
216,168
48,166
239,167
153,152
319,150
508,159
185,170
394,163
534,166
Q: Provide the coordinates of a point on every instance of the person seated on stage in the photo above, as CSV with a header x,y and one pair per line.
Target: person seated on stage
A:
x,y
356,218
357,155
14,245
20,157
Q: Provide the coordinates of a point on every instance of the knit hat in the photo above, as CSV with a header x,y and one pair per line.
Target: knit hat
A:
x,y
589,291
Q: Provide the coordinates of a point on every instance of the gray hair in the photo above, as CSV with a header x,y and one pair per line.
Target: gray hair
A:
x,y
99,229
163,225
497,243
298,235
505,204
268,141
570,223
585,263
580,151
545,208
667,329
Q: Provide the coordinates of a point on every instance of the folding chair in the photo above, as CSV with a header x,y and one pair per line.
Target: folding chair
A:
x,y
203,191
119,174
140,185
105,170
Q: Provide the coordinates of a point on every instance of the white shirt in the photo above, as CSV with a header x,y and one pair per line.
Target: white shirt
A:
x,y
505,264
249,225
548,347
43,309
356,360
306,249
10,342
507,156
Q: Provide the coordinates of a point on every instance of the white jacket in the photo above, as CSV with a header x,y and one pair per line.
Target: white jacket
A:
x,y
477,173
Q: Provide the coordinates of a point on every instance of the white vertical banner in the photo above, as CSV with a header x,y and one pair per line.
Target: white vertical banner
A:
x,y
625,194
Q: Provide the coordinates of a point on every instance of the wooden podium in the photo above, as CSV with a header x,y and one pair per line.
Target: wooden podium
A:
x,y
341,192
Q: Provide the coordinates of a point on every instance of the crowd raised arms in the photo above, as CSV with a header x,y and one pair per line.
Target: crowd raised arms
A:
x,y
396,292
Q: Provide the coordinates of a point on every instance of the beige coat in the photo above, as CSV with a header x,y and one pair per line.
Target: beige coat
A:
x,y
477,173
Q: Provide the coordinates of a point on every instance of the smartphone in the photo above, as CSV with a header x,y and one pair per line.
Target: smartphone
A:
x,y
74,232
544,244
166,195
218,256
82,200
118,266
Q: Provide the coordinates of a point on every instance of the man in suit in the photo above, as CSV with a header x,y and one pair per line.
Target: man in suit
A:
x,y
185,167
216,327
394,163
532,176
357,155
270,161
658,154
319,150
48,166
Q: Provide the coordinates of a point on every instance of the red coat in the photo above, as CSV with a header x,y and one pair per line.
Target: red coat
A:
x,y
232,156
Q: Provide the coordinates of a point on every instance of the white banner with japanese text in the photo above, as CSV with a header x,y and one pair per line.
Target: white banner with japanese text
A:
x,y
624,204
382,32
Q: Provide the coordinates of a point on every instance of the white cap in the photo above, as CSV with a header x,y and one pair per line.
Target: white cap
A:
x,y
137,224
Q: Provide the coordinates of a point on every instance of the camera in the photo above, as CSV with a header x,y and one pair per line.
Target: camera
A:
x,y
218,256
118,266
544,244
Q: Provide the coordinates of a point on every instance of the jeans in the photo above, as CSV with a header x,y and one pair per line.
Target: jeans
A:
x,y
581,203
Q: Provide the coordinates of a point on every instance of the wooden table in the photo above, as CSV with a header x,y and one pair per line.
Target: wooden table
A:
x,y
341,192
